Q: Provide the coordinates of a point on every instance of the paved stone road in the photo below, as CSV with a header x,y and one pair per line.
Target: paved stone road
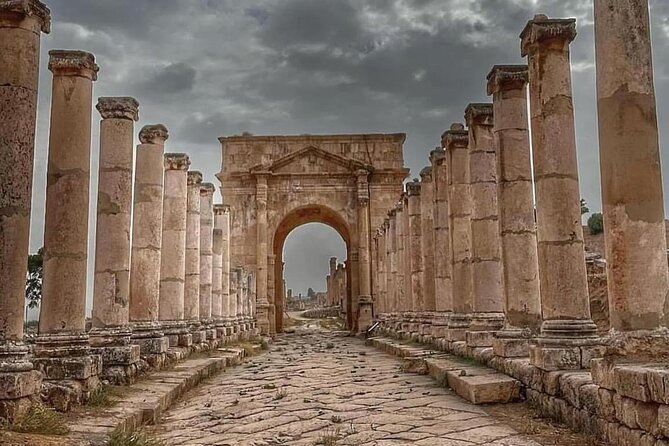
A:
x,y
315,387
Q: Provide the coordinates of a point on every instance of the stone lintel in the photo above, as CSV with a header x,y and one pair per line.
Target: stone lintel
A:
x,y
73,63
123,107
426,174
437,156
207,189
194,178
456,135
542,30
176,161
413,188
26,8
153,134
507,77
479,114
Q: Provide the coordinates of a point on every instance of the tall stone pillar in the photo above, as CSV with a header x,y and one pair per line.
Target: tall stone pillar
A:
x,y
405,260
567,331
333,268
62,350
192,259
455,141
381,278
233,301
225,270
21,25
488,315
111,332
265,311
522,303
632,198
147,239
415,254
275,297
392,275
173,250
206,256
217,281
217,306
364,299
443,285
427,237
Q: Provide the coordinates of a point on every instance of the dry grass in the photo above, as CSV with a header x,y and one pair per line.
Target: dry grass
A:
x,y
40,419
133,438
103,396
330,437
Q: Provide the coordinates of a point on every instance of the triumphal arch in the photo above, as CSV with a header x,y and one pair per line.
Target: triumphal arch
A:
x,y
274,184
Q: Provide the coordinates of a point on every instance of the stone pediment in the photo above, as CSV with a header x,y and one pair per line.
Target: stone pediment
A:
x,y
312,160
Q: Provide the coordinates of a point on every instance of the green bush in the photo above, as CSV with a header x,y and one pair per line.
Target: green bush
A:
x,y
596,223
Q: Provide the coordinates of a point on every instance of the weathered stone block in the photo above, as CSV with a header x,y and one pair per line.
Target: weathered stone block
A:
x,y
482,389
152,346
646,416
663,420
625,411
14,385
630,381
571,384
118,355
602,372
479,338
69,367
185,340
658,384
511,348
588,398
555,358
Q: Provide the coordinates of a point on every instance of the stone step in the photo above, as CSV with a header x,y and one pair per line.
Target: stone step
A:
x,y
144,402
472,381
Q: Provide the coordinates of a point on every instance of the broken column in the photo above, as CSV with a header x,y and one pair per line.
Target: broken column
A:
x,y
110,335
522,304
632,198
486,266
147,238
173,251
455,142
21,25
192,259
568,334
206,260
62,352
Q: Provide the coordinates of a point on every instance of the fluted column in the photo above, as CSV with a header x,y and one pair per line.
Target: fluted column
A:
x,y
522,304
632,197
206,255
192,259
455,141
567,329
488,315
173,250
62,324
111,290
21,25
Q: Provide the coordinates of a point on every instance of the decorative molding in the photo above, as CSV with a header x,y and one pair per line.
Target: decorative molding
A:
x,y
73,63
118,107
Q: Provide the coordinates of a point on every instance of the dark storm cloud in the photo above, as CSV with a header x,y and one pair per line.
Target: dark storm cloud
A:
x,y
208,68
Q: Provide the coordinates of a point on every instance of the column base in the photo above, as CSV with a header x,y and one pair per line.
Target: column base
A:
x,y
177,333
198,334
153,344
120,358
482,328
458,325
19,383
566,345
364,313
439,325
70,371
263,311
511,343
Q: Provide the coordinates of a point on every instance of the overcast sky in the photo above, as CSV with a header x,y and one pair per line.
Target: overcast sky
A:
x,y
208,68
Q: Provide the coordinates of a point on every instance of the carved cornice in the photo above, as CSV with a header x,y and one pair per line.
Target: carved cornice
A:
x,y
153,134
73,63
176,161
118,107
28,8
194,178
426,174
507,77
541,30
479,114
207,189
455,136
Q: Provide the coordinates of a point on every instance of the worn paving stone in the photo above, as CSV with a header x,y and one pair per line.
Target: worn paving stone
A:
x,y
302,393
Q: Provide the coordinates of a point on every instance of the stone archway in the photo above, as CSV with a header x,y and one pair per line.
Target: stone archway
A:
x,y
345,180
295,219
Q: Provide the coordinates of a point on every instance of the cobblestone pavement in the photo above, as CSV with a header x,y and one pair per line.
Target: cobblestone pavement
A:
x,y
315,387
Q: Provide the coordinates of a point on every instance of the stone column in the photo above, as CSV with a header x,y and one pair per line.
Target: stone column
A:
x,y
632,197
21,25
522,303
405,261
217,281
225,267
488,315
364,299
206,259
455,141
111,332
275,297
264,311
415,255
567,331
62,350
192,265
427,237
233,301
443,285
147,239
383,262
391,250
173,251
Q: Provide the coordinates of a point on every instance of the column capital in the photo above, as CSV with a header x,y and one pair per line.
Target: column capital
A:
x,y
507,77
118,107
221,209
176,161
438,156
542,30
413,188
455,136
73,63
207,189
153,134
194,178
426,174
28,8
479,114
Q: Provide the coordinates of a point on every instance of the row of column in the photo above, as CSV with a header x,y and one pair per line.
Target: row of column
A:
x,y
336,285
494,242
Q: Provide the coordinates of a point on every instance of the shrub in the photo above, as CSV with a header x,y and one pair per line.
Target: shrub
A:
x,y
596,223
